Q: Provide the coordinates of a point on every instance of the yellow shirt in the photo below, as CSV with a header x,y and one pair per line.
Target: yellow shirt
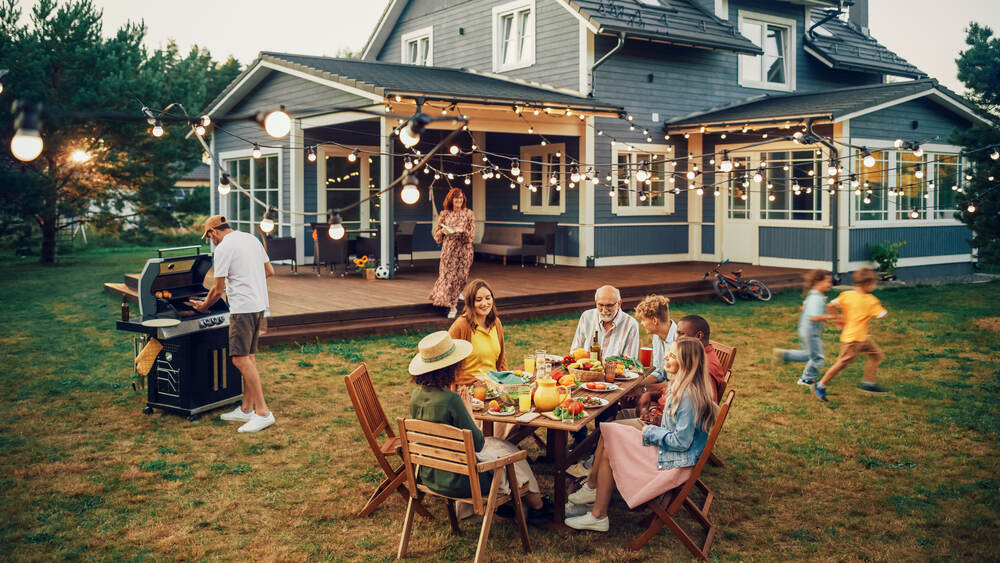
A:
x,y
485,352
857,309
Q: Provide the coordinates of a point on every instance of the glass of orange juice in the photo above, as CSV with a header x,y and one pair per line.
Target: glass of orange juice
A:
x,y
524,398
529,363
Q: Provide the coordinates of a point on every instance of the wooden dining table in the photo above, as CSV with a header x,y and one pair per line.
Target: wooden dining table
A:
x,y
557,449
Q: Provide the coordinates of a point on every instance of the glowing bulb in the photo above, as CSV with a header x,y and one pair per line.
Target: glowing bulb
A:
x,y
914,214
409,194
79,156
832,170
453,150
310,154
553,180
256,151
869,161
199,130
971,208
919,173
408,164
266,224
278,124
642,175
918,152
353,156
575,176
157,129
690,175
206,158
898,143
337,231
515,170
757,177
770,197
205,121
726,165
224,186
995,155
699,191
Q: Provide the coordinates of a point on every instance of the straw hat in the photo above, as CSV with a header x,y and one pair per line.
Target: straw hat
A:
x,y
438,350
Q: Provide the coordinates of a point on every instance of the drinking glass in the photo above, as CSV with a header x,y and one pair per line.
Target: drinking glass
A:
x,y
524,398
529,363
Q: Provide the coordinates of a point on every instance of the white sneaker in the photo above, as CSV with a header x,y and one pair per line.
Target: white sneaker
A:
x,y
583,495
588,522
257,422
577,470
576,509
452,314
237,414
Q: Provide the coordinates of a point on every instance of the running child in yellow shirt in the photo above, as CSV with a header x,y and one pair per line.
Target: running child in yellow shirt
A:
x,y
857,307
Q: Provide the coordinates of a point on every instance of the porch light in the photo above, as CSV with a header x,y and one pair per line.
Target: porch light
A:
x,y
574,175
726,165
310,154
337,230
867,157
256,151
224,185
410,134
410,192
453,150
276,123
157,130
267,223
914,214
205,121
971,208
995,155
353,157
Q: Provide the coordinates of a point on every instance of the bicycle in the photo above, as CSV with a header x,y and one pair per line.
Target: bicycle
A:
x,y
732,285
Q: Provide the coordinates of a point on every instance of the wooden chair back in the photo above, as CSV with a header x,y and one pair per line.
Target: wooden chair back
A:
x,y
371,416
726,355
713,436
439,446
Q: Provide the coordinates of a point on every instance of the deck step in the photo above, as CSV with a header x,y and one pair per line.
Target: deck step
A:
x,y
121,290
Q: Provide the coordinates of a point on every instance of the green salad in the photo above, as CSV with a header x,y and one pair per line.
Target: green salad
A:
x,y
629,362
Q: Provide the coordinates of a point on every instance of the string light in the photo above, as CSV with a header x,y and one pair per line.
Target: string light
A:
x,y
574,176
205,121
971,208
224,186
199,130
515,170
898,143
919,172
267,223
995,155
409,135
310,154
410,192
453,150
337,230
277,123
642,174
726,165
256,151
914,214
157,129
868,159
353,157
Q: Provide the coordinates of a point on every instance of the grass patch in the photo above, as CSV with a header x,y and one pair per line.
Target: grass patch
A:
x,y
911,476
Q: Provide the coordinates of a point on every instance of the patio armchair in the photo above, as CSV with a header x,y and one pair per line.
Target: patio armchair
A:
x,y
404,239
328,251
281,249
541,242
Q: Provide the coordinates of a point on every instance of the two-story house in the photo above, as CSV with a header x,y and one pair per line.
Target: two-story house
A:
x,y
650,130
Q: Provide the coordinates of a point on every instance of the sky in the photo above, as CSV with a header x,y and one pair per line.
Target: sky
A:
x,y
927,33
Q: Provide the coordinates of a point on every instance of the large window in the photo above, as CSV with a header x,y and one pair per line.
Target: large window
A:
x,y
418,47
775,69
903,187
544,179
514,35
776,186
260,177
648,197
346,178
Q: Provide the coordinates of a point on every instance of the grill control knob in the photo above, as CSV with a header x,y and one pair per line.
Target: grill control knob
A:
x,y
169,357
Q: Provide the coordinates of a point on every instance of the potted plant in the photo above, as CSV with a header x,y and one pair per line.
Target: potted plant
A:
x,y
886,256
590,261
366,267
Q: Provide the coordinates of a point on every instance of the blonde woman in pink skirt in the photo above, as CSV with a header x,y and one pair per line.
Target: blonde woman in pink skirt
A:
x,y
645,458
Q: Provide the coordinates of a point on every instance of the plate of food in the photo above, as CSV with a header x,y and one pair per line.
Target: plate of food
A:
x,y
590,401
600,386
477,405
492,394
497,409
626,376
569,409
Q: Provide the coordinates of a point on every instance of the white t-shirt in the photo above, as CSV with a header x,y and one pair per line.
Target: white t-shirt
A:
x,y
240,258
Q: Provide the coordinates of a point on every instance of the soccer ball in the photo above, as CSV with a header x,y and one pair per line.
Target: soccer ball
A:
x,y
382,273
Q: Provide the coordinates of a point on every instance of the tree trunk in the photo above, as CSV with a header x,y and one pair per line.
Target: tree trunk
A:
x,y
49,242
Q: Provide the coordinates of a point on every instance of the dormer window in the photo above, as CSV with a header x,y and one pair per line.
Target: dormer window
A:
x,y
514,35
775,69
418,47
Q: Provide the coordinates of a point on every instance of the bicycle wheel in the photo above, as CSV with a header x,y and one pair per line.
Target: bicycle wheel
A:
x,y
759,290
724,291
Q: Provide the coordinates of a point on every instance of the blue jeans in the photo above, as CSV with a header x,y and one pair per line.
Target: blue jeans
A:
x,y
811,352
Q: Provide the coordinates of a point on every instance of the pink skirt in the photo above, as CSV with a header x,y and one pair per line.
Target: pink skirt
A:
x,y
634,465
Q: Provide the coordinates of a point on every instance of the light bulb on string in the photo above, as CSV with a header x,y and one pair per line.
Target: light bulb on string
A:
x,y
453,150
914,214
353,157
971,208
310,154
758,176
898,143
157,130
918,152
409,135
267,223
717,192
867,200
919,172
206,158
199,130
553,180
468,180
832,170
407,164
642,195
995,155
515,170
276,123
224,184
205,121
574,175
256,151
868,159
641,175
337,230
726,165
532,187
410,192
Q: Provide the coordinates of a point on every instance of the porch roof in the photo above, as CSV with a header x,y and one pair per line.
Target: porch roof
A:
x,y
833,105
840,46
378,80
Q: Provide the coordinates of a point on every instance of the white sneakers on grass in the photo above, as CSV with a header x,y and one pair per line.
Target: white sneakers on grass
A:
x,y
588,522
253,421
583,495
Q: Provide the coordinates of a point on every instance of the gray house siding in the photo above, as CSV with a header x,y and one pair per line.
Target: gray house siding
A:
x,y
920,241
897,122
463,38
637,240
708,239
795,243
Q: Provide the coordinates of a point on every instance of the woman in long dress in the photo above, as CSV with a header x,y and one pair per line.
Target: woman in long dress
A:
x,y
455,232
644,458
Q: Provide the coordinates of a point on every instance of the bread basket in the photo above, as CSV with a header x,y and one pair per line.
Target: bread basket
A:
x,y
584,375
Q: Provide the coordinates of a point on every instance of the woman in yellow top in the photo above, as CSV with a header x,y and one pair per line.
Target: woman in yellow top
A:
x,y
480,325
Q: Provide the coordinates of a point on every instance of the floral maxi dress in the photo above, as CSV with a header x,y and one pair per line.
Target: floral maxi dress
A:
x,y
456,256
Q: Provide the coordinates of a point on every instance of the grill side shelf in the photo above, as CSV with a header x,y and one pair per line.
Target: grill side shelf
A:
x,y
135,327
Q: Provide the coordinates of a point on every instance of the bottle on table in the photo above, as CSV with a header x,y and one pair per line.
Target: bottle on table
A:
x,y
125,309
595,347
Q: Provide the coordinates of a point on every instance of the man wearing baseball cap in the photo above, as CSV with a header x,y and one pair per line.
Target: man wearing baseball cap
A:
x,y
241,271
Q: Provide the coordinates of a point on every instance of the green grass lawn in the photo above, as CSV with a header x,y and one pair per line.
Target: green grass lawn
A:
x,y
85,475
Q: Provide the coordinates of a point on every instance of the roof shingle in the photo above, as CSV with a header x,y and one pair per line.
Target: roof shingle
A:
x,y
839,45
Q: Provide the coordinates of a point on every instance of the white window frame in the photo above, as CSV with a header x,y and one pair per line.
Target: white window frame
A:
x,y
790,52
754,196
668,195
415,36
722,9
535,152
322,151
930,173
513,8
283,219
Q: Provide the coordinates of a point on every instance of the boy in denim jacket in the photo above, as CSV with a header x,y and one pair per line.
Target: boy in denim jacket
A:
x,y
811,324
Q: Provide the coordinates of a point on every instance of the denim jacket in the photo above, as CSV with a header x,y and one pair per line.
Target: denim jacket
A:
x,y
680,440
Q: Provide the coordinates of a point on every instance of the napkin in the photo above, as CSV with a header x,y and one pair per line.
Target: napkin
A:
x,y
505,377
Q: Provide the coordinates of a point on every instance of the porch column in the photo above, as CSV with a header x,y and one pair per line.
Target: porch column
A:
x,y
842,228
694,200
479,189
387,231
586,217
296,171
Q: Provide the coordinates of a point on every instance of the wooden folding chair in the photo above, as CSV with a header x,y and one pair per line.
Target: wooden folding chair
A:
x,y
440,446
373,422
665,507
726,355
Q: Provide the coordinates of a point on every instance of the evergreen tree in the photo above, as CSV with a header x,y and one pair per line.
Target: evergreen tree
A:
x,y
90,89
979,70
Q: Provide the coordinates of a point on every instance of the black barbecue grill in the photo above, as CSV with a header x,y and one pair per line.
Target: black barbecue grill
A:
x,y
193,372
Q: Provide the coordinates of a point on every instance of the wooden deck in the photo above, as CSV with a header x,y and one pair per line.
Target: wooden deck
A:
x,y
306,306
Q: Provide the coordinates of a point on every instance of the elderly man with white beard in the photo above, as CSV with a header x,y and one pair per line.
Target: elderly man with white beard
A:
x,y
617,331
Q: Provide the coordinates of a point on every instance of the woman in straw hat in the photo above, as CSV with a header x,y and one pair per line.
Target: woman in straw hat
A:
x,y
433,370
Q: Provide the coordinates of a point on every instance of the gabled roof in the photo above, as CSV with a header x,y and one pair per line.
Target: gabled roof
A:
x,y
840,46
834,105
377,81
679,22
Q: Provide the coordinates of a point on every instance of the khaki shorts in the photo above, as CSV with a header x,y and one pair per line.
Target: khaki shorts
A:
x,y
243,331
